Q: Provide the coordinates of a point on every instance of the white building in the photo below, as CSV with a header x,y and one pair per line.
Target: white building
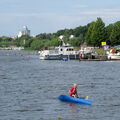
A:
x,y
25,31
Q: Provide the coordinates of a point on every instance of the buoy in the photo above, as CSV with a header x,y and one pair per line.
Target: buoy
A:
x,y
28,57
23,58
8,54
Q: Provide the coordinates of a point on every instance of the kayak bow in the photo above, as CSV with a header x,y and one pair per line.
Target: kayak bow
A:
x,y
75,100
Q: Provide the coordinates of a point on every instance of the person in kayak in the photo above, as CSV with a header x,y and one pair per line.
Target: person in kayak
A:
x,y
73,91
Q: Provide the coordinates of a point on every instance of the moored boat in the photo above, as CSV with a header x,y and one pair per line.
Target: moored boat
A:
x,y
113,55
59,53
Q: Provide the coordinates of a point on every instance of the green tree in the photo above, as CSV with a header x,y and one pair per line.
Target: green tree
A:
x,y
109,29
115,34
45,36
37,44
6,39
88,38
60,32
22,43
98,33
76,41
28,42
22,40
54,42
81,30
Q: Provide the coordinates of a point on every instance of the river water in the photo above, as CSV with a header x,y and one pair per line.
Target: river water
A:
x,y
29,88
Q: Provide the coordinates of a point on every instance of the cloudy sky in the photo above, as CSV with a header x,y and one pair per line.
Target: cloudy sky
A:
x,y
52,15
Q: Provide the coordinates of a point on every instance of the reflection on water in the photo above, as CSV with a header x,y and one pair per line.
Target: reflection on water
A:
x,y
73,108
29,88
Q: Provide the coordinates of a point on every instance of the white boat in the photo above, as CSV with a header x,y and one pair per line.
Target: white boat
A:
x,y
49,55
113,55
64,52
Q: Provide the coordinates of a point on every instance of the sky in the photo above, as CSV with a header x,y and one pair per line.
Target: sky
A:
x,y
52,15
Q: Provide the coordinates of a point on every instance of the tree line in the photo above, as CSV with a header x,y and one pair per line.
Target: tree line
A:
x,y
93,34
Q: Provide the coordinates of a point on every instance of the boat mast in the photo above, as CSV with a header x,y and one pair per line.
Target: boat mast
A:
x,y
61,39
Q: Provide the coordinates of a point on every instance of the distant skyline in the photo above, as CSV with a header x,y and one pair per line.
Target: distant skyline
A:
x,y
52,15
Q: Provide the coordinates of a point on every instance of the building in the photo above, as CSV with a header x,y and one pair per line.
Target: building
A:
x,y
25,31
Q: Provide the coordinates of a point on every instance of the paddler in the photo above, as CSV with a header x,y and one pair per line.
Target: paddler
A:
x,y
73,91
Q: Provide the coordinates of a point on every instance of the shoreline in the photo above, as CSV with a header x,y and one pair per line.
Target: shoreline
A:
x,y
96,58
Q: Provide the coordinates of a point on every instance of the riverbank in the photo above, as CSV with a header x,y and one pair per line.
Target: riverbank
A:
x,y
86,58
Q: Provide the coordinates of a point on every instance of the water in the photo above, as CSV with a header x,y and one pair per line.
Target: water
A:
x,y
29,88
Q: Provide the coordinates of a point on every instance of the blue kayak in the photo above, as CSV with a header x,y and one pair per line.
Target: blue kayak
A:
x,y
75,100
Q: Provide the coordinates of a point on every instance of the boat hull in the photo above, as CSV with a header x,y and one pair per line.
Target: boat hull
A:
x,y
51,57
70,57
114,57
59,57
74,100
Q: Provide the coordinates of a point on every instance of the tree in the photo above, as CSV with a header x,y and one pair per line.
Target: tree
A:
x,y
109,29
0,39
42,36
76,41
6,39
24,37
37,44
20,41
60,32
115,34
81,30
98,33
88,38
54,42
28,42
